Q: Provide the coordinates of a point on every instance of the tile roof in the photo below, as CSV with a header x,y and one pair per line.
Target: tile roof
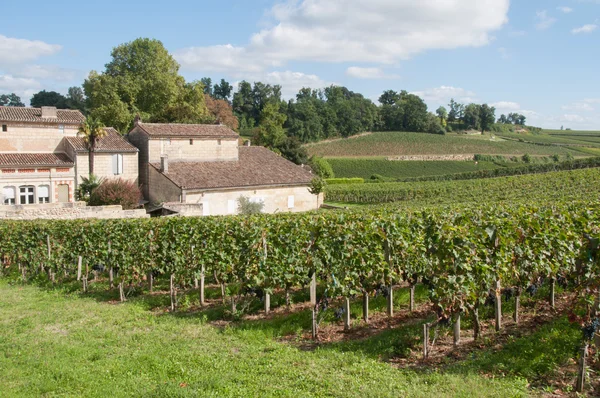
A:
x,y
34,115
187,130
257,166
112,142
35,159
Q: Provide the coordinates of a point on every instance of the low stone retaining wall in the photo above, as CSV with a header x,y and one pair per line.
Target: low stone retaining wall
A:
x,y
66,211
431,157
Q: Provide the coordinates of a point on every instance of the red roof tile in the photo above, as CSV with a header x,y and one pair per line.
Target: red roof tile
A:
x,y
257,166
35,159
112,142
187,130
34,115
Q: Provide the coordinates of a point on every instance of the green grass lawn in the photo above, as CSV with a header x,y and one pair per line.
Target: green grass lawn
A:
x,y
402,143
57,344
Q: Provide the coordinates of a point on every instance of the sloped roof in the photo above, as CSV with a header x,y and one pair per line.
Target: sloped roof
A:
x,y
34,115
112,142
35,160
257,166
174,130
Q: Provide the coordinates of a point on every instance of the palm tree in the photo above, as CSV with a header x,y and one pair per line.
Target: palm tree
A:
x,y
91,130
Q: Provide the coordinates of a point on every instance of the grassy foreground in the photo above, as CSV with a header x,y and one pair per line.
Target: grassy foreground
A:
x,y
53,344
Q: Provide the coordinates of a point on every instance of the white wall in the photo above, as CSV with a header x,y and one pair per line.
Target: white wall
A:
x,y
276,200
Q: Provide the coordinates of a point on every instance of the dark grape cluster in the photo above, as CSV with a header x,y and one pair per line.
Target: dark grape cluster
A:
x,y
382,290
590,329
98,268
562,281
491,298
428,283
254,291
534,287
339,313
509,293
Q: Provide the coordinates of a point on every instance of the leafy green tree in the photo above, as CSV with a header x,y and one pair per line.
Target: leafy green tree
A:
x,y
442,113
11,99
48,98
208,88
143,78
270,131
243,105
503,119
321,167
247,207
222,91
389,97
292,150
76,99
471,116
487,117
91,130
434,126
456,112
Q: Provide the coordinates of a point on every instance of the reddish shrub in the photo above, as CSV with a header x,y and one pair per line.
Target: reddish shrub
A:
x,y
116,192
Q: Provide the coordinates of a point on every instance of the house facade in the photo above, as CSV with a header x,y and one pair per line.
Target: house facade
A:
x,y
42,160
205,165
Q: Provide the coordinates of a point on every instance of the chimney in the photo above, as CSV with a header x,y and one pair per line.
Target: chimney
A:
x,y
247,143
49,112
137,120
164,163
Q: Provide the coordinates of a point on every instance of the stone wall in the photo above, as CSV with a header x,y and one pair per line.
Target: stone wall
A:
x,y
32,138
161,188
67,211
103,166
193,149
431,157
276,200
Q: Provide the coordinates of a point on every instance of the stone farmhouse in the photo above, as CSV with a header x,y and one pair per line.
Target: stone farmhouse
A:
x,y
42,160
200,164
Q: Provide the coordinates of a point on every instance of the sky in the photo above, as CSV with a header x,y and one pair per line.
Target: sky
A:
x,y
540,58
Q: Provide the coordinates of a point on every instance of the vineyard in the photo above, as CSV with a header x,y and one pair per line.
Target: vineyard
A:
x,y
402,143
554,186
465,256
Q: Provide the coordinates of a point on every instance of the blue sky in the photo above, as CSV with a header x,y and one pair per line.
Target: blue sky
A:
x,y
537,57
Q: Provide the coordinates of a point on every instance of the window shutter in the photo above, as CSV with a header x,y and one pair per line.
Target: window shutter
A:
x,y
8,192
115,164
120,164
43,191
291,202
231,205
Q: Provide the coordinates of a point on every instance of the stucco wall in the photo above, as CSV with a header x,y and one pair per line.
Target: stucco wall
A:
x,y
52,177
161,188
198,150
103,166
275,200
68,211
139,140
34,138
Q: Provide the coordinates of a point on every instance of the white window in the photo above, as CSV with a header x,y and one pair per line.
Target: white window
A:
x,y
231,206
26,195
9,195
43,194
117,164
205,209
61,128
291,202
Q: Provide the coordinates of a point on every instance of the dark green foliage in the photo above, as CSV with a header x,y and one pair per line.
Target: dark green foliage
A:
x,y
246,206
336,181
11,99
48,98
321,167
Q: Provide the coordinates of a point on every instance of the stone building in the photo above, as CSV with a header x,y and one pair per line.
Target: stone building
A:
x,y
204,165
42,160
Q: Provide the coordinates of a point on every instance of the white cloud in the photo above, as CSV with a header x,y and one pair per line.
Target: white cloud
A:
x,y
45,72
585,105
368,73
21,50
565,10
378,31
543,20
443,94
23,87
504,54
589,28
506,106
572,118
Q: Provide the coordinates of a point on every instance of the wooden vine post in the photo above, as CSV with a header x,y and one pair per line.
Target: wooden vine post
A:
x,y
202,273
390,296
121,292
425,341
366,306
267,303
553,293
79,264
517,305
173,293
498,306
314,322
457,329
111,276
313,288
582,364
412,298
347,313
85,278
